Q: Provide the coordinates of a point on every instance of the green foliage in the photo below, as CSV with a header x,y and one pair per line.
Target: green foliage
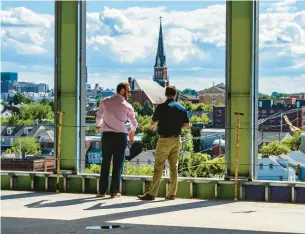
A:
x,y
203,107
91,130
275,148
143,123
187,146
265,96
93,169
199,119
127,170
147,109
20,98
90,119
196,107
137,107
138,170
149,139
293,142
189,92
196,142
31,112
29,145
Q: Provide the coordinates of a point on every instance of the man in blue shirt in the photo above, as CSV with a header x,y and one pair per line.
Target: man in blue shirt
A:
x,y
170,117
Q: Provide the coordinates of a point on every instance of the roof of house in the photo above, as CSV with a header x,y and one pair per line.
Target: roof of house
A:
x,y
47,136
144,156
190,97
154,92
271,136
213,89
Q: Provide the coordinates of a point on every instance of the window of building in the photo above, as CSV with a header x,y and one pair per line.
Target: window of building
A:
x,y
261,166
270,166
264,113
2,139
149,161
138,161
12,140
97,145
272,122
218,112
271,112
281,178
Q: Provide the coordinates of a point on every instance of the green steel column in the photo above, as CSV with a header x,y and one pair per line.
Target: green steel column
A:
x,y
239,85
66,22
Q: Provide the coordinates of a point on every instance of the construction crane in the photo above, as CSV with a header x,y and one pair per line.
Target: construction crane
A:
x,y
292,128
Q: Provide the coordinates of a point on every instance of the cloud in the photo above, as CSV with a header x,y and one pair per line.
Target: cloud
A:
x,y
131,34
25,31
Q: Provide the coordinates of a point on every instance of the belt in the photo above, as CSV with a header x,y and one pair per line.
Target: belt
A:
x,y
172,136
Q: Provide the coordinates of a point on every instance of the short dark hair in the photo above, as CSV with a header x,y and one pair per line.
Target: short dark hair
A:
x,y
121,86
170,91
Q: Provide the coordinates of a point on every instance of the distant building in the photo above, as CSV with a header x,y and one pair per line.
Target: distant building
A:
x,y
208,137
8,81
190,98
160,69
213,96
147,158
219,117
106,93
29,87
147,90
296,160
270,169
11,132
94,151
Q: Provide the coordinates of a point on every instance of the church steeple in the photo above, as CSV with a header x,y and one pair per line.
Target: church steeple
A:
x,y
160,69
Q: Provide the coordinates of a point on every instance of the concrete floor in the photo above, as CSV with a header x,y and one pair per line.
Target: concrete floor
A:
x,y
28,212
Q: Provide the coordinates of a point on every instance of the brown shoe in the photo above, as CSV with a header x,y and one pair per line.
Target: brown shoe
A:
x,y
115,195
170,197
146,197
101,195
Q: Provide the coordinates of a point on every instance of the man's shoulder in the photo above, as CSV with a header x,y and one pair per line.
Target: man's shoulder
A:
x,y
178,106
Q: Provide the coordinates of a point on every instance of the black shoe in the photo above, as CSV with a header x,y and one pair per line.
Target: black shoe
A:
x,y
146,197
170,197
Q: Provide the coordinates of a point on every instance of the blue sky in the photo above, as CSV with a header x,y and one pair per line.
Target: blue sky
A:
x,y
122,42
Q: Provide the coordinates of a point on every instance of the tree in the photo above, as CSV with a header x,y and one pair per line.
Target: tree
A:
x,y
199,119
19,98
91,130
143,123
293,142
29,113
275,148
188,105
28,145
147,109
149,139
196,142
189,92
203,107
137,107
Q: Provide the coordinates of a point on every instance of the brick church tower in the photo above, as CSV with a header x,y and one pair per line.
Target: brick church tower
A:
x,y
160,68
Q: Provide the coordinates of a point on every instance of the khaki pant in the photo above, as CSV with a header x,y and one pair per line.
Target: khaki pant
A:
x,y
167,149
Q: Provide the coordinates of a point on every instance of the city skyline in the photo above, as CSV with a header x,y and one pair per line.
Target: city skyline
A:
x,y
122,41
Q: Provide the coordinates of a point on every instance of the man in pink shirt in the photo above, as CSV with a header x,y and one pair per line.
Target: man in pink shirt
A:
x,y
111,117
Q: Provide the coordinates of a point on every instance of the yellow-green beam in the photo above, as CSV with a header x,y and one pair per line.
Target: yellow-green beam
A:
x,y
66,34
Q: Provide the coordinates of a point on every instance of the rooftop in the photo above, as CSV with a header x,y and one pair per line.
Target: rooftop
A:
x,y
30,212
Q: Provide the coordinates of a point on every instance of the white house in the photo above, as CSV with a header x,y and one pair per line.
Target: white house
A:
x,y
270,169
147,158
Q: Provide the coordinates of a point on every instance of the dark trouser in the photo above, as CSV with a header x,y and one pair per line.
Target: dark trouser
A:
x,y
113,145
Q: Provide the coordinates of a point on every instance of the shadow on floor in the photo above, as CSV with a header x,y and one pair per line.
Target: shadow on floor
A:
x,y
100,206
25,195
45,203
29,226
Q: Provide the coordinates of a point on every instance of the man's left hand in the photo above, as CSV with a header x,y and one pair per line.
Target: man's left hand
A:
x,y
131,135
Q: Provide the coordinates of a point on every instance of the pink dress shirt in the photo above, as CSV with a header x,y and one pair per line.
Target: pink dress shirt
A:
x,y
113,113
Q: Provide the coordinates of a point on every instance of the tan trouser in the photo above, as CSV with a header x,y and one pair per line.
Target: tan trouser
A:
x,y
167,149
